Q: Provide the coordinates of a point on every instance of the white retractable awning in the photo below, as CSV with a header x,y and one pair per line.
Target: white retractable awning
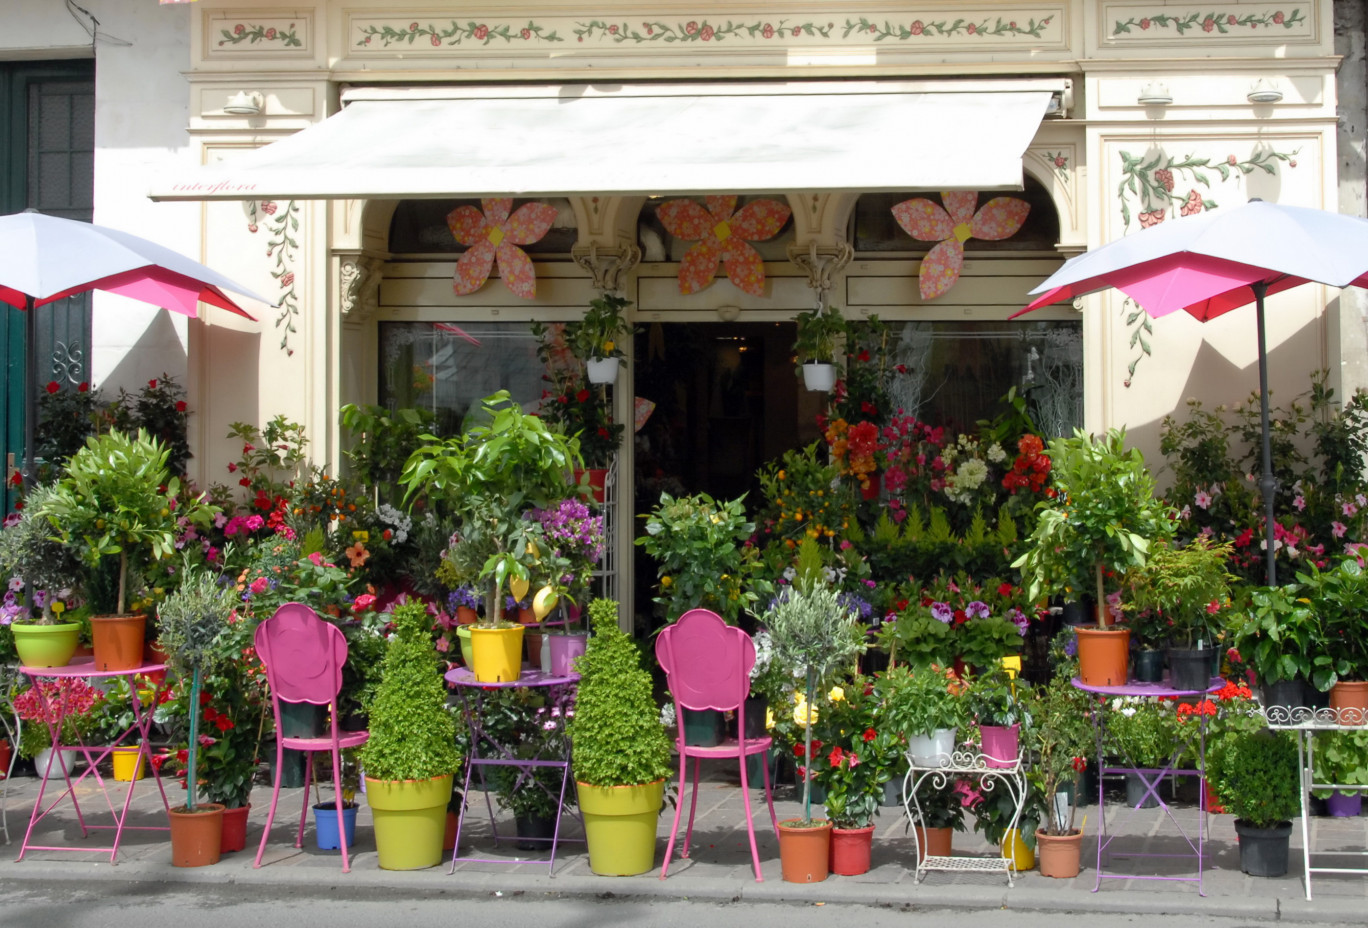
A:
x,y
643,139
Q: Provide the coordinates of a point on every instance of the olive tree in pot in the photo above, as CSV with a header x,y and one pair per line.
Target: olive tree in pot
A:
x,y
1102,519
191,619
411,755
1255,774
621,754
813,634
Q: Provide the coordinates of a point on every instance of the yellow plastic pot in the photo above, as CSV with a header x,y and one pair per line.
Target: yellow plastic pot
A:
x,y
620,826
1015,849
497,654
409,818
128,764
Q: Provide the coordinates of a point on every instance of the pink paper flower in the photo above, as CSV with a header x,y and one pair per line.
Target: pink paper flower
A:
x,y
496,235
951,226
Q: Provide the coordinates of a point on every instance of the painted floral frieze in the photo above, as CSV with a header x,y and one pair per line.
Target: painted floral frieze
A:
x,y
454,33
1152,183
1210,22
280,222
242,33
987,27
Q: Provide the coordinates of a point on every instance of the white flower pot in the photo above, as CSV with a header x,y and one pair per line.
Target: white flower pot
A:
x,y
933,750
602,370
60,762
819,377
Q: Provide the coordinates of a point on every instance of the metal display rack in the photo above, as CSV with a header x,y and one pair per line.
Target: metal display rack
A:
x,y
1306,722
1005,775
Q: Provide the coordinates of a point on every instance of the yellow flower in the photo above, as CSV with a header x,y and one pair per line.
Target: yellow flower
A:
x,y
835,694
608,346
666,581
803,714
361,536
769,719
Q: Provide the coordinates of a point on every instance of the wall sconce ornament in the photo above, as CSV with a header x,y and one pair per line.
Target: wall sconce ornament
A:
x,y
1154,93
244,103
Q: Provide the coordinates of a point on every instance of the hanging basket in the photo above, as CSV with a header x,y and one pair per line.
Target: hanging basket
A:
x,y
602,370
820,377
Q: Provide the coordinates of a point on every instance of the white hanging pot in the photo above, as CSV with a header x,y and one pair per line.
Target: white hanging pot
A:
x,y
602,370
819,376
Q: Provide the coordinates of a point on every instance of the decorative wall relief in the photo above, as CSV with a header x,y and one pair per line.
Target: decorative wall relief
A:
x,y
951,226
281,225
1209,21
722,232
1150,181
496,235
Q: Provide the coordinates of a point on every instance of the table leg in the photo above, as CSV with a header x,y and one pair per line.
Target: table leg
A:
x,y
1307,776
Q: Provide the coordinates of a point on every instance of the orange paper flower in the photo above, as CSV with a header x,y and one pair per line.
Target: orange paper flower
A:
x,y
496,235
952,226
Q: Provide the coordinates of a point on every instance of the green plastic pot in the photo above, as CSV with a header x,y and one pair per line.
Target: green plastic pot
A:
x,y
46,645
409,818
620,826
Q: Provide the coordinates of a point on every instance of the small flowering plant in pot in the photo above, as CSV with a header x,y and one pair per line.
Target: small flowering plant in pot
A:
x,y
926,707
1058,742
40,706
993,699
41,572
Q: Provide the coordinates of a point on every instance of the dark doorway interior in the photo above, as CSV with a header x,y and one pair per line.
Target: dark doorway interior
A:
x,y
726,401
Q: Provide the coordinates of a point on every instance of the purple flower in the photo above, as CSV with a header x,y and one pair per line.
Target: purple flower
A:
x,y
942,612
464,596
977,610
1019,620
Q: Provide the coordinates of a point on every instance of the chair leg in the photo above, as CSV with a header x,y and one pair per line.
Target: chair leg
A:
x,y
304,811
693,805
270,813
337,796
769,800
750,822
679,807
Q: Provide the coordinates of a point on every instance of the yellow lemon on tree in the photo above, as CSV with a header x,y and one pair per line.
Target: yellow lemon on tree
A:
x,y
518,587
544,602
532,551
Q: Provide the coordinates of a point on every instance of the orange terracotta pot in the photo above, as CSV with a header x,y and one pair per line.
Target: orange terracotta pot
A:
x,y
934,842
1350,698
804,851
118,641
466,615
1059,855
196,837
1102,655
850,850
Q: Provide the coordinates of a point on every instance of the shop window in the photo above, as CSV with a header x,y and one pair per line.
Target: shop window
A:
x,y
438,367
419,227
657,244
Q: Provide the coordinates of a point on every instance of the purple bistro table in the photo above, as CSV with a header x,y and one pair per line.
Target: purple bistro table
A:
x,y
57,708
485,751
1150,777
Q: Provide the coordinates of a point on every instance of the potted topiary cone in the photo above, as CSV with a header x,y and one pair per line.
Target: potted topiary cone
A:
x,y
1101,519
191,619
621,753
411,755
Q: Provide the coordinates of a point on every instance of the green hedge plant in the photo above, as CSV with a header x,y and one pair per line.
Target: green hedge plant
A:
x,y
1255,774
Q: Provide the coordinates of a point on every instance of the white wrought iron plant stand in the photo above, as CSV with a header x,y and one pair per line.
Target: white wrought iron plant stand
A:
x,y
1009,776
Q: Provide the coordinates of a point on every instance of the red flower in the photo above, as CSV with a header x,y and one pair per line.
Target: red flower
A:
x,y
870,734
16,479
1080,764
53,386
245,482
223,723
151,385
180,406
836,756
582,396
232,468
83,387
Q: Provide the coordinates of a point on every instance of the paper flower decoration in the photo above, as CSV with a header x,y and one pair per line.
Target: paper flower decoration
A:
x,y
495,234
722,233
951,227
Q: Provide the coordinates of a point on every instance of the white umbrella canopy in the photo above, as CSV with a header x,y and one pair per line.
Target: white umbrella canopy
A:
x,y
1219,261
45,258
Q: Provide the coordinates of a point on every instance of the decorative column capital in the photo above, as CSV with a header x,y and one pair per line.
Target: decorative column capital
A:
x,y
607,265
822,262
358,286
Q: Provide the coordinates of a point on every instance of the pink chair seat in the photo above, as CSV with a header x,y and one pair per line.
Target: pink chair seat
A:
x,y
303,656
707,665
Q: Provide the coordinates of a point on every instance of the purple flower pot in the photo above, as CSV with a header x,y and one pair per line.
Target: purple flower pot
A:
x,y
1344,805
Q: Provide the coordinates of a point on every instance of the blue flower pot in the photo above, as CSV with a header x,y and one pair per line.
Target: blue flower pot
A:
x,y
325,826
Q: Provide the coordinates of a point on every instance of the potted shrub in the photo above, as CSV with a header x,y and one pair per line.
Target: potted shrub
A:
x,y
819,332
1059,742
1185,588
813,635
991,699
117,507
411,755
1102,519
926,708
1278,635
1255,774
489,477
37,567
191,619
941,809
1339,595
621,754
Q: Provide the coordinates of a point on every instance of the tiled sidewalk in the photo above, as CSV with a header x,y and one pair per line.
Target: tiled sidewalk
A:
x,y
720,867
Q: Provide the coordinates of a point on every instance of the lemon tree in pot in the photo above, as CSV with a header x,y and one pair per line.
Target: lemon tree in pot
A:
x,y
118,508
814,634
1102,519
37,569
411,755
621,755
192,618
488,479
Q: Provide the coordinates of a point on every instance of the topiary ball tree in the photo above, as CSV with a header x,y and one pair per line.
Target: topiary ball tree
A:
x,y
412,735
616,732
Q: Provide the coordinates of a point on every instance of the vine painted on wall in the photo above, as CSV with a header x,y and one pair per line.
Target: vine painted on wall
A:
x,y
1213,22
1137,321
989,27
281,224
455,33
258,34
697,31
1150,182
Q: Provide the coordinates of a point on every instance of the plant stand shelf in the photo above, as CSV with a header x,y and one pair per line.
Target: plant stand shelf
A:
x,y
1152,778
1305,722
964,764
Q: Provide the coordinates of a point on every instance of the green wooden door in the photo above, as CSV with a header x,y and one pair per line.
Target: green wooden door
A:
x,y
47,162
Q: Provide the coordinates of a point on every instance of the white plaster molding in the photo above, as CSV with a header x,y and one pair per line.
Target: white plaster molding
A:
x,y
607,267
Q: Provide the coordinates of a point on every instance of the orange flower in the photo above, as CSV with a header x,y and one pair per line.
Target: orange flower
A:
x,y
357,554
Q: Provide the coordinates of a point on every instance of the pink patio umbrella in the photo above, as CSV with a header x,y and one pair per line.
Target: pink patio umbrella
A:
x,y
44,259
1219,261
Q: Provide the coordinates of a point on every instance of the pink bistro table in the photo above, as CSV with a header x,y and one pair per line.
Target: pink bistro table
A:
x,y
485,751
1150,777
142,723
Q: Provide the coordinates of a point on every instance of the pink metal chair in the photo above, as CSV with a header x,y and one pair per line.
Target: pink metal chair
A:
x,y
707,664
303,656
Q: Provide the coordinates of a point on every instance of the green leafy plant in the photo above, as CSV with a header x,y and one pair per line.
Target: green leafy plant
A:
x,y
993,697
616,732
602,331
1341,758
819,332
381,442
1278,634
1255,774
920,702
1058,743
1141,731
36,566
1185,587
412,736
858,756
191,619
704,562
1339,596
1102,519
117,500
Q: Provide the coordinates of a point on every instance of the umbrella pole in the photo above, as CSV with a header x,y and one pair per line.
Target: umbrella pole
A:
x,y
1267,484
30,394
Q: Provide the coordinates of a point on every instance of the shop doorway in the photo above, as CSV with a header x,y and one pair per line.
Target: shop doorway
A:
x,y
726,401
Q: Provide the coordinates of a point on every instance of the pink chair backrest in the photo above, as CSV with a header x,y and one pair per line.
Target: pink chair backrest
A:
x,y
303,655
707,661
